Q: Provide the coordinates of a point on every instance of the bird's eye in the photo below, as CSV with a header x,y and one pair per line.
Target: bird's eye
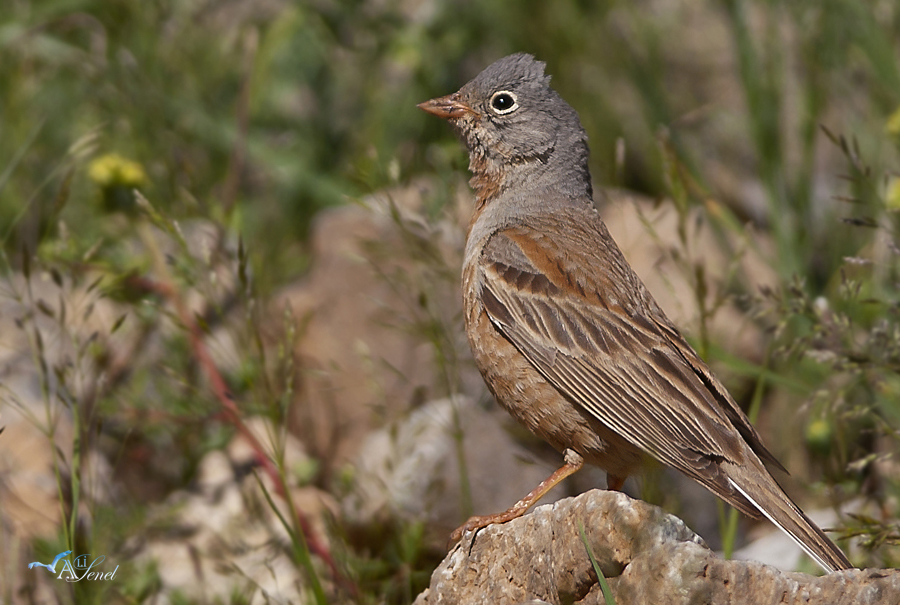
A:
x,y
504,102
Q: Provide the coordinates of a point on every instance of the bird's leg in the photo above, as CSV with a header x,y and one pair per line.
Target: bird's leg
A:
x,y
615,483
573,464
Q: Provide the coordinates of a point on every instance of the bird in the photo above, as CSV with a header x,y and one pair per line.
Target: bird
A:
x,y
565,334
51,566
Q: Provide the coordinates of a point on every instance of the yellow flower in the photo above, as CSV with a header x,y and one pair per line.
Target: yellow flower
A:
x,y
112,170
892,195
893,124
819,434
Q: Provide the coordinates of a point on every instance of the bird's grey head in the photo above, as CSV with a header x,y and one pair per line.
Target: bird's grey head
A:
x,y
517,129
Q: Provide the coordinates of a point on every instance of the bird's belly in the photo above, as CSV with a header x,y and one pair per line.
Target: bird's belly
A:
x,y
527,396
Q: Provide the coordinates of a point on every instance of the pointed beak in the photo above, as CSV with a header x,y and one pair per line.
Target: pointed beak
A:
x,y
448,107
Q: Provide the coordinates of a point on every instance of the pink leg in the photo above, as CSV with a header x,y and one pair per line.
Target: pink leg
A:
x,y
573,464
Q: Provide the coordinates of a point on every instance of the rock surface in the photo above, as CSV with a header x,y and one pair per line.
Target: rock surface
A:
x,y
362,354
410,469
220,536
646,555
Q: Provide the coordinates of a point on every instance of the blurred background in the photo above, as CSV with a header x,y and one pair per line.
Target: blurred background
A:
x,y
232,358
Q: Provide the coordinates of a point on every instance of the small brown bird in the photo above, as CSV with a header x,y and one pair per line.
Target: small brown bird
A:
x,y
564,332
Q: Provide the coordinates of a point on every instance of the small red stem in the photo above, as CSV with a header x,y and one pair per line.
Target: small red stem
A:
x,y
232,414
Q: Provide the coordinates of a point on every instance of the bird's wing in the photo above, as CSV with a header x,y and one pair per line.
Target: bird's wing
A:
x,y
573,306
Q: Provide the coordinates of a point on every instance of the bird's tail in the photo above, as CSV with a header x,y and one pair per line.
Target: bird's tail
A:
x,y
759,488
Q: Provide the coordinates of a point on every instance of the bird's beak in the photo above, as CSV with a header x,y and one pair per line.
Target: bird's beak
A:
x,y
448,107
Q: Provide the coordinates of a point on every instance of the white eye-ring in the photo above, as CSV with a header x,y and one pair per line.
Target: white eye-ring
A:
x,y
504,102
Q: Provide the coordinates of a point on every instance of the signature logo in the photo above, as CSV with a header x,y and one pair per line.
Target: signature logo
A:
x,y
51,566
78,569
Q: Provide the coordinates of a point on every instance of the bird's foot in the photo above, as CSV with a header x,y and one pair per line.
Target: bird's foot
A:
x,y
478,522
574,462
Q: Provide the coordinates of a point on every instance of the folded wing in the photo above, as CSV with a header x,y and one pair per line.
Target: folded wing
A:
x,y
615,355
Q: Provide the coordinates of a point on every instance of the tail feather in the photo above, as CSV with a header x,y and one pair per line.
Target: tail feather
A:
x,y
759,488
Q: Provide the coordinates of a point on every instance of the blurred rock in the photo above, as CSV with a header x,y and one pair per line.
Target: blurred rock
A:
x,y
410,471
40,320
647,233
222,537
646,556
379,321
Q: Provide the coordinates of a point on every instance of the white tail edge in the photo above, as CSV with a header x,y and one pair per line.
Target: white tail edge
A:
x,y
815,557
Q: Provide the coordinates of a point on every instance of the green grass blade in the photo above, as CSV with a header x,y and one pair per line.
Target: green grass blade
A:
x,y
301,550
601,579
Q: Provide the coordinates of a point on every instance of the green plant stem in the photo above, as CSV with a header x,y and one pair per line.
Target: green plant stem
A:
x,y
608,597
298,541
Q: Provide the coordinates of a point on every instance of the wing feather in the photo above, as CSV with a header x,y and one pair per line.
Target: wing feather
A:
x,y
578,323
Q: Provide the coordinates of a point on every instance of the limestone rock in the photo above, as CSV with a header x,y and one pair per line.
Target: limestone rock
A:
x,y
363,351
221,537
409,470
646,555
